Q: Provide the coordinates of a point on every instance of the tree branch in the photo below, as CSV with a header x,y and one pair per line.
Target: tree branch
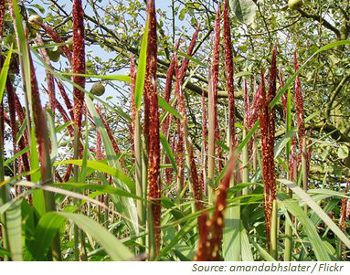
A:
x,y
321,20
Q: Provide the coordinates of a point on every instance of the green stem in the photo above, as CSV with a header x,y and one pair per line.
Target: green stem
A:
x,y
76,179
304,167
211,143
138,173
274,231
288,241
245,163
3,191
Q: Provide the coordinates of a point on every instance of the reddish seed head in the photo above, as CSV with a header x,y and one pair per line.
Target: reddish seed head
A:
x,y
211,235
65,97
57,39
299,103
229,74
255,107
49,77
189,52
343,209
2,14
99,153
267,126
78,64
152,124
197,188
109,132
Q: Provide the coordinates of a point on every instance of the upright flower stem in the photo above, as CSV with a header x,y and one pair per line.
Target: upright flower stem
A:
x,y
288,242
204,142
3,190
211,141
49,77
3,193
301,126
78,64
210,239
229,74
137,145
267,126
231,235
151,130
182,147
271,140
212,109
245,150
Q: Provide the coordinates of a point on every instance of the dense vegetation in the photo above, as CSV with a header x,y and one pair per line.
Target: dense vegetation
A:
x,y
174,130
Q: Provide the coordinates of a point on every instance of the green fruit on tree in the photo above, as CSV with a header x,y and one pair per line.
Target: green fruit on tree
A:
x,y
98,89
35,20
54,54
69,43
295,4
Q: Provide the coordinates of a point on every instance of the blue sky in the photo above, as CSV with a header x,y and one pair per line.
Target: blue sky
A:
x,y
96,50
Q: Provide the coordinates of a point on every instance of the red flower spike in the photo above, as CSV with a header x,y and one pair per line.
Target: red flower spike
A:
x,y
57,39
270,96
180,155
99,153
168,87
152,125
197,188
12,112
204,138
2,14
343,209
40,128
215,79
255,107
65,117
65,97
49,77
151,67
268,156
78,65
189,52
13,107
211,234
110,133
229,73
299,103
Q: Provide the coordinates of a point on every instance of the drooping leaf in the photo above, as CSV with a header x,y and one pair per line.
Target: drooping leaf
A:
x,y
317,209
51,222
